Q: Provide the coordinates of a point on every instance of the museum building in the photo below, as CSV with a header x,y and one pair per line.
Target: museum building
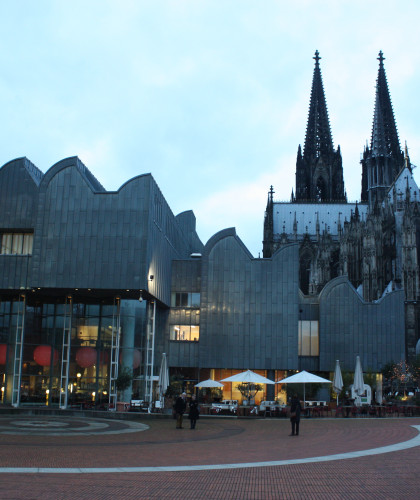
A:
x,y
93,282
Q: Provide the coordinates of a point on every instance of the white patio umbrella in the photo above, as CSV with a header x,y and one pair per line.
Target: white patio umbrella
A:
x,y
249,377
358,382
338,379
163,378
209,383
304,377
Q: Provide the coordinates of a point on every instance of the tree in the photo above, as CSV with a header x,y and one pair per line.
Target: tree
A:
x,y
124,379
175,386
400,377
249,390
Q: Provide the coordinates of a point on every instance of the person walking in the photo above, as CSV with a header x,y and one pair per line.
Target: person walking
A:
x,y
180,406
194,412
295,409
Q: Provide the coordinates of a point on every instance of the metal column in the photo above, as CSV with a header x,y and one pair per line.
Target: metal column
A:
x,y
65,353
115,352
150,355
17,363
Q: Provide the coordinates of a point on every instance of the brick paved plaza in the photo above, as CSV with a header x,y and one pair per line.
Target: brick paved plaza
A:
x,y
224,458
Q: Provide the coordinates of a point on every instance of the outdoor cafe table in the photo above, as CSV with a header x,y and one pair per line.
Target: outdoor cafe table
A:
x,y
379,410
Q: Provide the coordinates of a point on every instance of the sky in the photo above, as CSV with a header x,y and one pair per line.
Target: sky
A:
x,y
209,96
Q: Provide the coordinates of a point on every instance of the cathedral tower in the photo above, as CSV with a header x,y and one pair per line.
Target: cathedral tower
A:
x,y
384,159
319,170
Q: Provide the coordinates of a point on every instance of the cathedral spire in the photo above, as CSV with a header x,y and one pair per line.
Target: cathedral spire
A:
x,y
383,161
319,171
318,132
384,139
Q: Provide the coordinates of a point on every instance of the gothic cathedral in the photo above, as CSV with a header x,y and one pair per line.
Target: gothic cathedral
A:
x,y
374,242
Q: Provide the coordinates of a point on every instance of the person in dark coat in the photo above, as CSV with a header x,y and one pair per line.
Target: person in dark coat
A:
x,y
194,412
295,409
179,407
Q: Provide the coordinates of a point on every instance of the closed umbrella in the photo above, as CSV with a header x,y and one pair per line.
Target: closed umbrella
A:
x,y
304,377
338,379
163,378
378,395
209,383
358,382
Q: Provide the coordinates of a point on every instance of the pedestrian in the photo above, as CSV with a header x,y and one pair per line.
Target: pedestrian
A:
x,y
295,409
180,406
194,412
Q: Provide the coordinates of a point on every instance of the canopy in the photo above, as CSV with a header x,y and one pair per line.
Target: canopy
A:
x,y
338,379
163,378
209,383
248,377
358,382
304,377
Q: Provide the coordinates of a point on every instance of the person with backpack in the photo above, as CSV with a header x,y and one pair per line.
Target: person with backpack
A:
x,y
295,409
180,406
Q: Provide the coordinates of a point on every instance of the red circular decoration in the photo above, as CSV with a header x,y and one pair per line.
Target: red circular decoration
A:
x,y
42,355
3,352
136,358
86,356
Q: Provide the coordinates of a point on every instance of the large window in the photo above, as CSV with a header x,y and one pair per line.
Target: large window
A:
x,y
185,332
16,243
308,338
185,299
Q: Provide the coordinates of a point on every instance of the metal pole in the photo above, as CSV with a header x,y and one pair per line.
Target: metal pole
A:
x,y
153,356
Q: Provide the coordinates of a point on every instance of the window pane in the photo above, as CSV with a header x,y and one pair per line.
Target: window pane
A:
x,y
17,244
195,332
6,244
314,339
181,299
27,244
195,300
305,338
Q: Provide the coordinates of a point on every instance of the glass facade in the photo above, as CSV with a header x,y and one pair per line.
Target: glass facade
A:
x,y
42,368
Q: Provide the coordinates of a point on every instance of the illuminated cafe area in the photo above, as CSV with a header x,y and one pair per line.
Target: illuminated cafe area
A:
x,y
96,282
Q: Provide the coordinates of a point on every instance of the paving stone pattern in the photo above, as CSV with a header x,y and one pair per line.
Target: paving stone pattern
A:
x,y
392,475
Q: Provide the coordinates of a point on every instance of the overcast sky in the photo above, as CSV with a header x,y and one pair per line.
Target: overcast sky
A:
x,y
210,97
